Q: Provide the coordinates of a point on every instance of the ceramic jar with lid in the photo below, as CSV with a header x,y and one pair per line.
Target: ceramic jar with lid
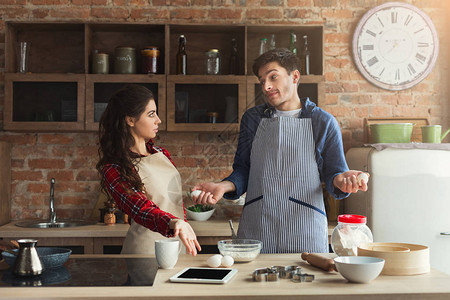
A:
x,y
212,62
150,60
125,60
350,233
100,63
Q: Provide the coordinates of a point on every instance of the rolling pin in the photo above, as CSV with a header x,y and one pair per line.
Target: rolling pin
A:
x,y
316,260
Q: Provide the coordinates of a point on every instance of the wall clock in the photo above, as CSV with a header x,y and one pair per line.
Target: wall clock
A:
x,y
395,46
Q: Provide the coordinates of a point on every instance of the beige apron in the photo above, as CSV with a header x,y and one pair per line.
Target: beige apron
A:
x,y
163,183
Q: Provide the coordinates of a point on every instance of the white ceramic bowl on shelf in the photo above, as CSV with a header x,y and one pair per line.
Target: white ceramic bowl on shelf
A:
x,y
199,216
360,269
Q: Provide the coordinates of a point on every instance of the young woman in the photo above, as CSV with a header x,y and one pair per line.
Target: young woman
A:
x,y
140,176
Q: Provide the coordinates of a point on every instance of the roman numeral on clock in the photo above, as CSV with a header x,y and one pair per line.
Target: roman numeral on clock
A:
x,y
420,58
408,19
372,61
397,74
394,16
371,33
411,69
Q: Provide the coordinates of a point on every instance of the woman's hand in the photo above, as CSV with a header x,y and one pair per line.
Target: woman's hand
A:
x,y
186,234
212,191
347,182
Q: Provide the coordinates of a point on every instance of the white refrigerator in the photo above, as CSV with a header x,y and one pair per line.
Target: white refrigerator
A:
x,y
408,200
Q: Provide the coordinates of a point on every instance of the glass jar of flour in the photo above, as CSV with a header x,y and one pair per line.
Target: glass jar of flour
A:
x,y
350,233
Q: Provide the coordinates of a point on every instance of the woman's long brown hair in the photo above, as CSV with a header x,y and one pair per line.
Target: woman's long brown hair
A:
x,y
115,139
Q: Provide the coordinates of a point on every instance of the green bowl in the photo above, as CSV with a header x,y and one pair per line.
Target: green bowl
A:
x,y
391,132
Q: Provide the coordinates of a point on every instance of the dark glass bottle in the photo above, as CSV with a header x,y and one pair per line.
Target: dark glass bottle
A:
x,y
234,58
182,56
293,42
305,57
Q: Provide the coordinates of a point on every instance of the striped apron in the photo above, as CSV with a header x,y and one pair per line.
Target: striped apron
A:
x,y
284,207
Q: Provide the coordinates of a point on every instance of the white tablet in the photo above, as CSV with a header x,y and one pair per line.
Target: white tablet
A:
x,y
204,275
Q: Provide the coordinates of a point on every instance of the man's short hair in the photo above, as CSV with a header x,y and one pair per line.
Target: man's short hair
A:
x,y
283,56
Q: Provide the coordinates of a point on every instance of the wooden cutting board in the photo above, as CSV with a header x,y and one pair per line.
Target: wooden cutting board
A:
x,y
416,135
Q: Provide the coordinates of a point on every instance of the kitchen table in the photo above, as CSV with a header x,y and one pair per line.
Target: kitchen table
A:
x,y
93,238
433,285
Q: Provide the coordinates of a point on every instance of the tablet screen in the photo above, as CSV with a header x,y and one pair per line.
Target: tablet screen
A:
x,y
204,275
216,274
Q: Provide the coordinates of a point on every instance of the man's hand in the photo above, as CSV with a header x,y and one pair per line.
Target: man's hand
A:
x,y
347,182
211,192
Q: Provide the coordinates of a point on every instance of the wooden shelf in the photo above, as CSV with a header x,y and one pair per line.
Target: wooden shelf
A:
x,y
99,88
44,102
59,66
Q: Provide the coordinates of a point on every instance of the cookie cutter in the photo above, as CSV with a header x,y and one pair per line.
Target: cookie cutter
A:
x,y
274,273
265,274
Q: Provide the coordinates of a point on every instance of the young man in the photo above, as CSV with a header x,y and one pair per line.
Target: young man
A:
x,y
286,148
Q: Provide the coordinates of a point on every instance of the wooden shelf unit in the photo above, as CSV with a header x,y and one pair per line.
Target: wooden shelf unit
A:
x,y
60,58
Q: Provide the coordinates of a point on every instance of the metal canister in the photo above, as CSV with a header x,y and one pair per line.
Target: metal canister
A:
x,y
150,60
212,62
100,63
125,60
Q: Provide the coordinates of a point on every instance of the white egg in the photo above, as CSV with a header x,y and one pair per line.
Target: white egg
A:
x,y
227,261
361,177
214,261
196,193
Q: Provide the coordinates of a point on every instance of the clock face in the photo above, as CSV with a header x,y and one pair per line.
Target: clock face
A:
x,y
395,46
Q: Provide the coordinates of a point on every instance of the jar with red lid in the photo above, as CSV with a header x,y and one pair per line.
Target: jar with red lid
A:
x,y
150,60
350,232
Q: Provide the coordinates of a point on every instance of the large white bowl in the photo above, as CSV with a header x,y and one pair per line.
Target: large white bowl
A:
x,y
199,216
359,269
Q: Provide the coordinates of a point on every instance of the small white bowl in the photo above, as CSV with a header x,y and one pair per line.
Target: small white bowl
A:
x,y
359,269
199,216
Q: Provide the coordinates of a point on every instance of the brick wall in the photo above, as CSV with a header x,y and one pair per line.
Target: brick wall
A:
x,y
71,158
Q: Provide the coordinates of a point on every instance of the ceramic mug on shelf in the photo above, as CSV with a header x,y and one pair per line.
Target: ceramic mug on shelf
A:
x,y
166,252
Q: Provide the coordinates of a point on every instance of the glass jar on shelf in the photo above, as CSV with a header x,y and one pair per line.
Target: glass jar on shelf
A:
x,y
150,60
213,62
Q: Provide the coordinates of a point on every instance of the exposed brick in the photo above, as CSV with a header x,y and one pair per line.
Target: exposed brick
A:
x,y
337,14
49,2
74,200
225,14
38,188
60,175
325,3
88,175
27,175
264,13
47,163
40,13
149,14
175,3
22,139
77,13
336,38
110,13
55,139
188,13
338,62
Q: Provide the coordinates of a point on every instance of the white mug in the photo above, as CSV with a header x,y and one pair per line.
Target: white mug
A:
x,y
166,252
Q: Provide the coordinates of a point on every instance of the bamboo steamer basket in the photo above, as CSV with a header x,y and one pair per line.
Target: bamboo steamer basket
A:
x,y
400,258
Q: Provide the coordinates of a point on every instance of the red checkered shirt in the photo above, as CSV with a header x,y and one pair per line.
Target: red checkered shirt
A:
x,y
135,203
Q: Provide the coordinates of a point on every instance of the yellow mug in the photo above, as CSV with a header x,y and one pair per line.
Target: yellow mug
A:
x,y
432,134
